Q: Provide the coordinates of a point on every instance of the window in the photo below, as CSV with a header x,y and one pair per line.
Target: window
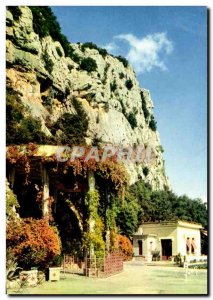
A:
x,y
188,245
193,246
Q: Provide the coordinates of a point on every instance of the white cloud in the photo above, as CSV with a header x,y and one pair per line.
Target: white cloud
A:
x,y
148,52
111,47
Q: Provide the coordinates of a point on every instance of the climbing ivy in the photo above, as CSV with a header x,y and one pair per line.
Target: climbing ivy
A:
x,y
94,238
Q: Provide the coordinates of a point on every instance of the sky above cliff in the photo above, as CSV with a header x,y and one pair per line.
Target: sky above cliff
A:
x,y
167,46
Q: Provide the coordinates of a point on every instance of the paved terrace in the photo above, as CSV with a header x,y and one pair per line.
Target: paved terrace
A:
x,y
137,278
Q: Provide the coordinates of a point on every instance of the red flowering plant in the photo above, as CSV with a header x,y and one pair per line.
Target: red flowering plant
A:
x,y
124,247
32,242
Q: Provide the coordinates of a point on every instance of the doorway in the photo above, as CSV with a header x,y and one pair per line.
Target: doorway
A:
x,y
166,248
140,247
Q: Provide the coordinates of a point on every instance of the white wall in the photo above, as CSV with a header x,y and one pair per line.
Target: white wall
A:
x,y
183,233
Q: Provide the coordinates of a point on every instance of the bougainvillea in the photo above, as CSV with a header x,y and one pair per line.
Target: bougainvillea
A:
x,y
124,246
109,169
33,242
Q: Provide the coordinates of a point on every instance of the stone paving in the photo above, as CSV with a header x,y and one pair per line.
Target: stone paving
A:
x,y
137,278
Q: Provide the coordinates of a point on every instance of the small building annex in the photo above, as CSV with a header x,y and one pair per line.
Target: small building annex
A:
x,y
167,239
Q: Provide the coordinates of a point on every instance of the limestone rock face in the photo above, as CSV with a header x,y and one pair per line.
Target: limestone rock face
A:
x,y
104,93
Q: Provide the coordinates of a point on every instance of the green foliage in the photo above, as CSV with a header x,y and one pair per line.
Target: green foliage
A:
x,y
113,86
20,127
123,60
72,126
123,107
145,171
11,201
94,239
91,45
45,23
165,205
59,51
105,73
88,64
132,120
127,216
153,123
103,52
121,75
160,148
144,107
15,11
48,63
129,84
74,56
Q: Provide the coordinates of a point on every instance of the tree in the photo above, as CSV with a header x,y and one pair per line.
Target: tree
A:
x,y
127,218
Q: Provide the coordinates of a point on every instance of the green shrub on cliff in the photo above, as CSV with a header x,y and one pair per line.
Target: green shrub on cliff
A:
x,y
73,126
129,84
123,60
153,124
88,64
21,128
91,45
45,23
132,120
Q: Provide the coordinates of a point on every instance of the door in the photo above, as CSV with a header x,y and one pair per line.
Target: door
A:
x,y
140,247
166,248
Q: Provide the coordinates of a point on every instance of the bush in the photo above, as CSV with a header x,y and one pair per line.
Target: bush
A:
x,y
144,107
123,60
113,86
132,120
15,11
20,128
45,23
145,171
123,107
124,246
11,201
33,242
102,52
73,126
121,75
59,51
153,124
129,84
74,56
88,64
48,63
90,45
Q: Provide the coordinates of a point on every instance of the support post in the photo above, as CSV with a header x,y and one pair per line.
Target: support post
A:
x,y
11,176
91,186
46,193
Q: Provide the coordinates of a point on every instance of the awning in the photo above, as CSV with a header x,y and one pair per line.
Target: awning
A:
x,y
205,232
188,243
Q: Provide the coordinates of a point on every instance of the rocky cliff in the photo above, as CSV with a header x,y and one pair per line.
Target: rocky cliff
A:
x,y
118,109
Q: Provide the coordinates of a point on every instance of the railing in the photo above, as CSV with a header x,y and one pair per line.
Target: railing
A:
x,y
72,265
103,267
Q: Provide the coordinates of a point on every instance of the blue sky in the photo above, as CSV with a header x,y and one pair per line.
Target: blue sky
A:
x,y
167,47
